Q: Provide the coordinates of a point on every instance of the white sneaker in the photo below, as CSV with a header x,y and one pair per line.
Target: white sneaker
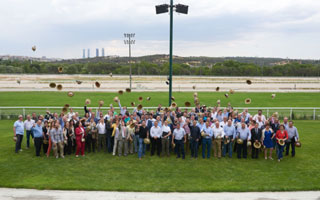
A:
x,y
57,156
20,150
77,156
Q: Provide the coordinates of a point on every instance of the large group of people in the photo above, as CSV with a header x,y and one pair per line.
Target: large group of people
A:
x,y
164,132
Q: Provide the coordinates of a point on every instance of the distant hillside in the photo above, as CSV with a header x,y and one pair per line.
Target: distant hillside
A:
x,y
192,61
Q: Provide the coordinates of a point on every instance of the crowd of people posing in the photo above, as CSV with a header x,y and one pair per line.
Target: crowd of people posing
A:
x,y
163,132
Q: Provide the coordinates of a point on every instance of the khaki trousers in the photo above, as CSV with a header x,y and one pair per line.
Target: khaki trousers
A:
x,y
217,147
58,146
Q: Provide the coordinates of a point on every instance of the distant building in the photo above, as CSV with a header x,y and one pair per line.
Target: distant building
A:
x,y
88,53
83,53
97,52
102,52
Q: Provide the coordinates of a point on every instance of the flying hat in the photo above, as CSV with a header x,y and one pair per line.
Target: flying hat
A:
x,y
97,84
52,85
59,87
70,94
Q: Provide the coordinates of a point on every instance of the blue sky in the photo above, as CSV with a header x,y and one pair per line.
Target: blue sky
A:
x,y
62,28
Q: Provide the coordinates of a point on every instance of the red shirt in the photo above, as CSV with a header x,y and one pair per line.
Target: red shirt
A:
x,y
280,135
79,131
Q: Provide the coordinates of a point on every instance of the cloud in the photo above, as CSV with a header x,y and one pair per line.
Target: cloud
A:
x,y
61,28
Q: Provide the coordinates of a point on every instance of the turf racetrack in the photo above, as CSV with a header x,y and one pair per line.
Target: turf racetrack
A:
x,y
102,171
237,99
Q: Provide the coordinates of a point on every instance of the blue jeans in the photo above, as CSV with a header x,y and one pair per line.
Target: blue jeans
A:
x,y
180,145
206,144
229,147
29,133
142,148
136,143
280,151
194,148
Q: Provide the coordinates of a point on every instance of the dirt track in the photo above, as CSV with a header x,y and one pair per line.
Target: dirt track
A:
x,y
157,83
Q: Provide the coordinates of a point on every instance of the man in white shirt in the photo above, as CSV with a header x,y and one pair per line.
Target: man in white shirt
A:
x,y
71,114
218,134
179,138
155,133
166,132
102,135
28,123
263,118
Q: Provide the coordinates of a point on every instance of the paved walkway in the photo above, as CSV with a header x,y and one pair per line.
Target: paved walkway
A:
x,y
26,194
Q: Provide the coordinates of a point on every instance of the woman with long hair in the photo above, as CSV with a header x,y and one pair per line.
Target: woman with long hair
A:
x,y
266,140
66,132
45,131
80,138
281,134
51,127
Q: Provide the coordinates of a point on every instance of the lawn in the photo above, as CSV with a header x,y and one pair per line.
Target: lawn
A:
x,y
208,98
102,171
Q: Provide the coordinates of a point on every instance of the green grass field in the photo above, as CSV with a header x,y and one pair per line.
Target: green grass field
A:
x,y
102,171
59,99
207,98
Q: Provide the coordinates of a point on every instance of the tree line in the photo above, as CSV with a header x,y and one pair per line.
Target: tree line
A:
x,y
225,68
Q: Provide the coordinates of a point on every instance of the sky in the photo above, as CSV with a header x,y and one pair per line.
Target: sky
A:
x,y
252,28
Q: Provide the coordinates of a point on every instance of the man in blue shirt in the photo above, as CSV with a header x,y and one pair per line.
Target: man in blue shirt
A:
x,y
245,135
37,134
206,140
230,134
18,131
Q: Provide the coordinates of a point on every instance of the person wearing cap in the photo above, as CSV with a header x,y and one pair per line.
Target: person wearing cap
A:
x,y
207,140
218,134
230,133
18,132
166,132
28,123
38,135
179,138
155,133
195,137
256,134
244,134
293,136
123,109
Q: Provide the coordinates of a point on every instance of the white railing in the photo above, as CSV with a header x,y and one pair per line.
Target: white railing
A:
x,y
311,113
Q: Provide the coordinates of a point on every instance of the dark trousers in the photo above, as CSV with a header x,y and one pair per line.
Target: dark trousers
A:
x,y
280,151
255,153
18,142
45,147
156,144
242,148
69,147
180,146
37,144
206,145
293,147
29,133
110,143
194,148
91,143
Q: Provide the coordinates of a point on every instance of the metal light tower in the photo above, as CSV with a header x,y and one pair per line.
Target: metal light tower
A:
x,y
129,41
164,8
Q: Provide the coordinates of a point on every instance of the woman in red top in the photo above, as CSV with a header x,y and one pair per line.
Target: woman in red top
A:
x,y
281,135
80,135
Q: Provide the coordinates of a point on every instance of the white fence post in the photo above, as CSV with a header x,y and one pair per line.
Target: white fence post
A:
x,y
314,114
290,113
267,113
24,112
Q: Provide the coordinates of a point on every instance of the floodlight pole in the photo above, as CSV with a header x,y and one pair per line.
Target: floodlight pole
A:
x,y
129,41
170,51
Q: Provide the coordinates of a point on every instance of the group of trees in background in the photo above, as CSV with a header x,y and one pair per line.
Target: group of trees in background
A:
x,y
225,68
